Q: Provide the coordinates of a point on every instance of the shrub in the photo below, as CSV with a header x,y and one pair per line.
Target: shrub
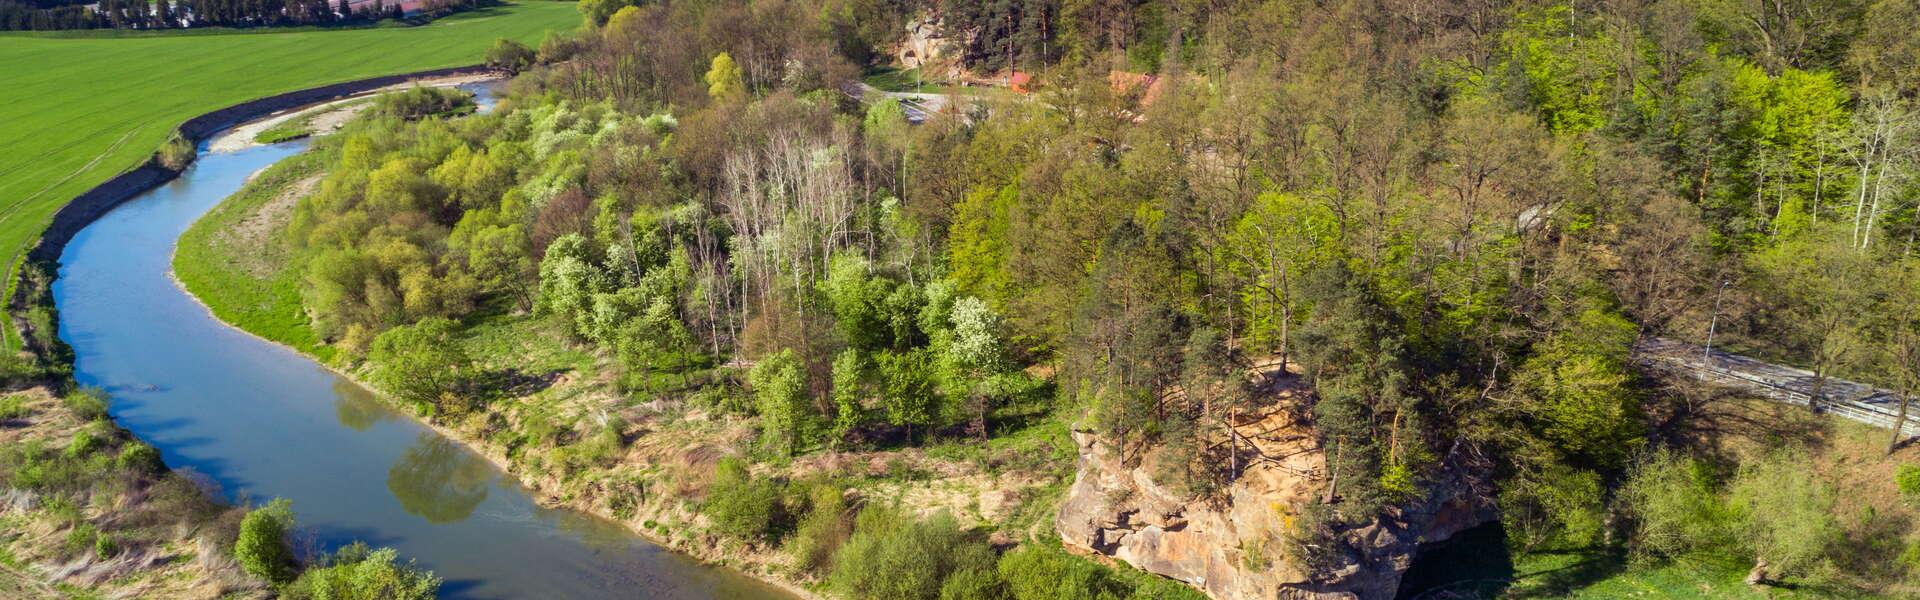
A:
x,y
87,403
509,55
13,407
81,537
139,457
262,545
356,573
822,531
1039,573
1675,509
177,153
1785,512
84,442
104,547
420,102
1908,480
891,555
740,505
424,364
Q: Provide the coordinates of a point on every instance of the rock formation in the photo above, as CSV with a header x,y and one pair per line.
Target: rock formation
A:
x,y
1234,545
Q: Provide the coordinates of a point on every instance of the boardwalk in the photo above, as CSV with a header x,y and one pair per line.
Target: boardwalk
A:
x,y
1857,401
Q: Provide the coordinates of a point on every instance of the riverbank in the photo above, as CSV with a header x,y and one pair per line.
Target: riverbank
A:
x,y
230,265
544,432
88,509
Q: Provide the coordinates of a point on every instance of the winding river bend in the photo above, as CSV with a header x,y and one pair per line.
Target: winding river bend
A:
x,y
263,421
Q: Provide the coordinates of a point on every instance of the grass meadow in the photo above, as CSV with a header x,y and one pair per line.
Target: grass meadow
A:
x,y
75,110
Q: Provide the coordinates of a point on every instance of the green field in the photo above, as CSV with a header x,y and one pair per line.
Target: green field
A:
x,y
75,110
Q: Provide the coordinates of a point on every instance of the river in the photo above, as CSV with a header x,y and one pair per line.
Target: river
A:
x,y
262,421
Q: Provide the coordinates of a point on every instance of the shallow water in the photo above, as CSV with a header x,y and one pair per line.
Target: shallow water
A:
x,y
262,422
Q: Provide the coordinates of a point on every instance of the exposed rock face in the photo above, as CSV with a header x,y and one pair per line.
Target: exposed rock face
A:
x,y
1234,548
927,47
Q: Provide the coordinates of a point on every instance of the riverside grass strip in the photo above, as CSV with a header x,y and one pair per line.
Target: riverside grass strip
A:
x,y
75,110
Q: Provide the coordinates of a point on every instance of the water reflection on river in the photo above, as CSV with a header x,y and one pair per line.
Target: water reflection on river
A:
x,y
261,422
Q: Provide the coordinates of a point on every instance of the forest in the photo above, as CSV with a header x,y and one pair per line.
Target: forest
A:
x,y
1450,220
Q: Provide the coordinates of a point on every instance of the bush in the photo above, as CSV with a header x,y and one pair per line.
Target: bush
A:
x,y
424,364
740,505
1038,573
822,531
13,407
356,573
83,536
104,547
421,102
84,442
1675,509
891,555
509,55
89,403
1785,512
1908,480
177,153
262,546
139,457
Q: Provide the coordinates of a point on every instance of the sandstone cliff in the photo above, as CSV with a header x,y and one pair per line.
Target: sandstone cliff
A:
x,y
1234,545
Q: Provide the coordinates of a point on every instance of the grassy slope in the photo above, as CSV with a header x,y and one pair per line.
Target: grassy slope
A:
x,y
79,110
205,263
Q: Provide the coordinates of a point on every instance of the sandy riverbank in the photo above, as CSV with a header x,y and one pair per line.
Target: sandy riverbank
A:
x,y
240,137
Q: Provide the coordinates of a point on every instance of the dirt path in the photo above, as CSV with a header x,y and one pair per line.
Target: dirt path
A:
x,y
241,136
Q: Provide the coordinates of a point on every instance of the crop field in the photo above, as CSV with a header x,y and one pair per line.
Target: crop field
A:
x,y
77,109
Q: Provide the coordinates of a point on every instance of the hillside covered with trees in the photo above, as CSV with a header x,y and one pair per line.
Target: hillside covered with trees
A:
x,y
1449,222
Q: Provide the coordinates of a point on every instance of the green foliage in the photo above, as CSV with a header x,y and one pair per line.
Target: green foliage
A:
x,y
140,458
1907,480
1676,508
907,387
1583,395
1566,67
262,546
1035,572
420,102
87,403
780,393
827,524
104,546
850,391
13,406
723,78
892,555
356,573
510,55
597,12
1559,507
176,154
742,506
83,443
1785,512
423,364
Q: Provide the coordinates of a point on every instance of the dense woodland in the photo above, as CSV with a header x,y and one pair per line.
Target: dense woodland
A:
x,y
172,14
1452,219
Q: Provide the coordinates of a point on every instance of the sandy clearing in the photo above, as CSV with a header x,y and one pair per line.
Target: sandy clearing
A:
x,y
255,230
240,137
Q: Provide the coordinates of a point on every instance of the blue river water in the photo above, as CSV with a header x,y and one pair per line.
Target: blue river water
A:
x,y
262,421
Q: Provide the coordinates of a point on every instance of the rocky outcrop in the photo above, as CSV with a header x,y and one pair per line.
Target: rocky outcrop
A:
x,y
929,48
1234,545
